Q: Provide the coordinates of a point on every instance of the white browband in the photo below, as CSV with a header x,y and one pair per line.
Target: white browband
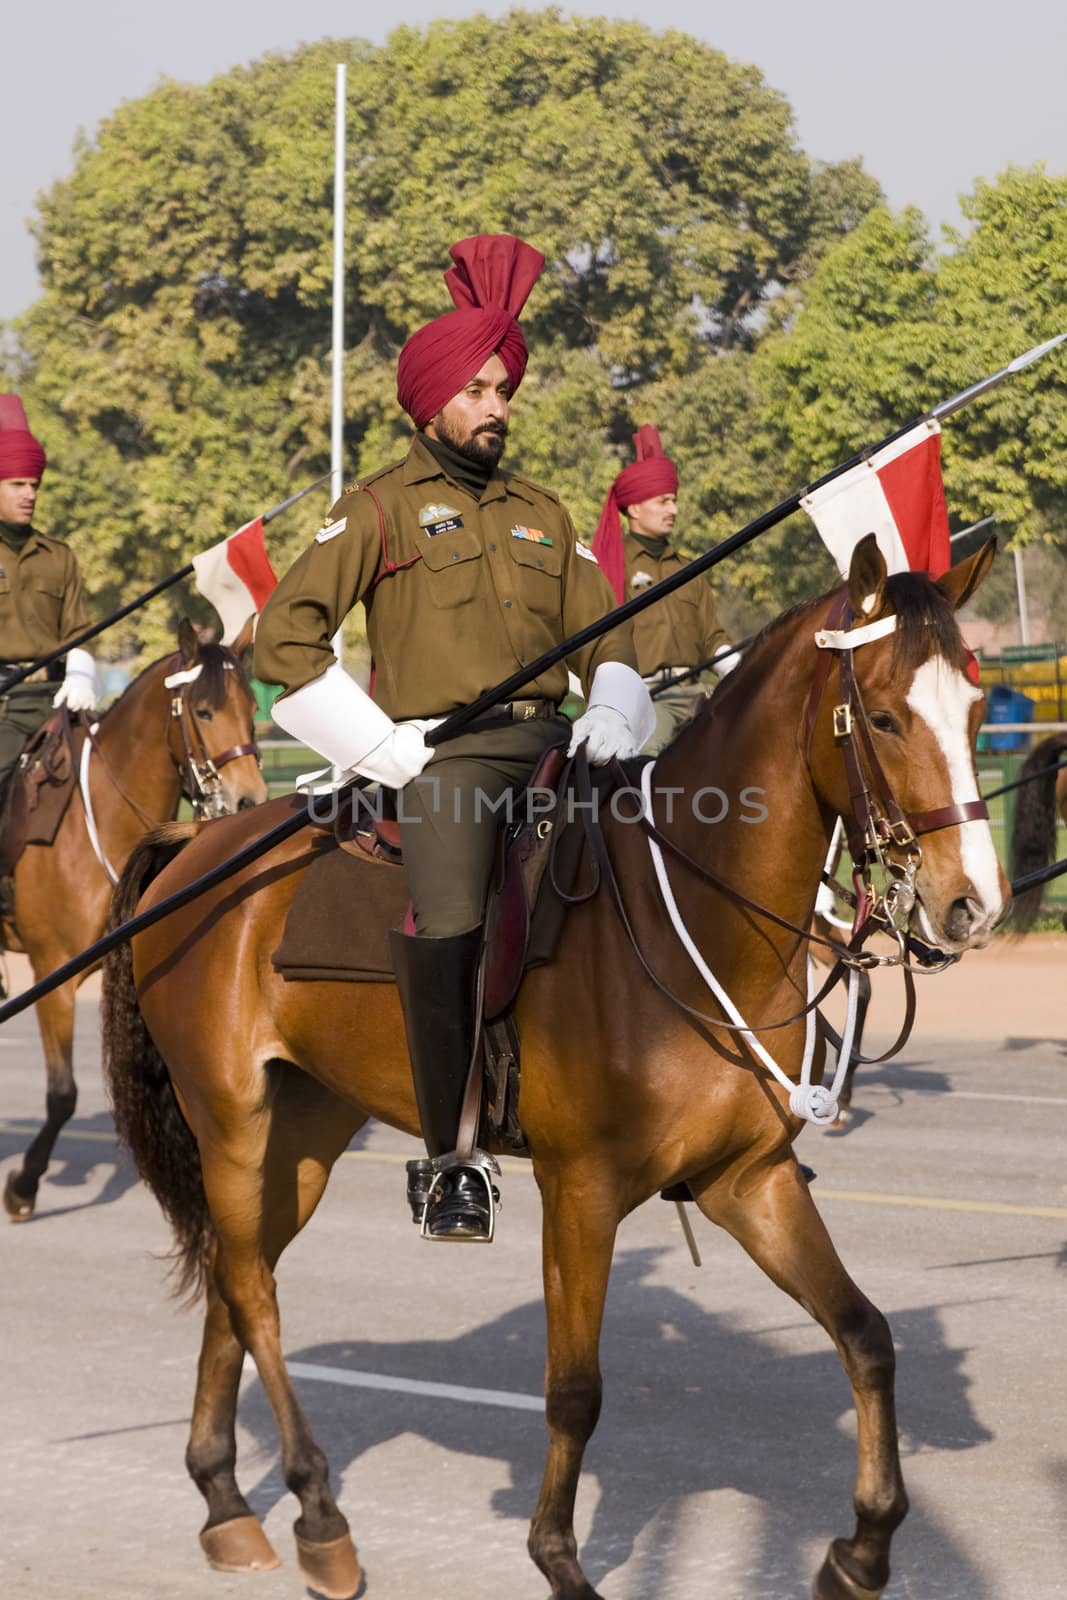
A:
x,y
849,638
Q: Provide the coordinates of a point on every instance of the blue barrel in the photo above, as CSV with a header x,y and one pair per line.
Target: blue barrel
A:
x,y
1005,704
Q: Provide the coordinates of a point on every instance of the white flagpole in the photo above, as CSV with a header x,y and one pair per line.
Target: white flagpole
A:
x,y
338,361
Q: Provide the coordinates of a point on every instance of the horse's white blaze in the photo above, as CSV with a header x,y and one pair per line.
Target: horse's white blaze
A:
x,y
943,697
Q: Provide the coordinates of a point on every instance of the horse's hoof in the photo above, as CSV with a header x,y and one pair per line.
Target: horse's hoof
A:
x,y
331,1569
239,1545
834,1583
18,1208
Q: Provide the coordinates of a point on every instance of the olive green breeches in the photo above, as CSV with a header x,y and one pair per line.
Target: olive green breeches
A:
x,y
450,817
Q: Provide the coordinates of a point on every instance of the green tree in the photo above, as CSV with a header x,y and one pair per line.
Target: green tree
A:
x,y
889,326
177,361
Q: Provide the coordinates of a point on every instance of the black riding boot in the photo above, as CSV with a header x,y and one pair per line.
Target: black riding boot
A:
x,y
437,980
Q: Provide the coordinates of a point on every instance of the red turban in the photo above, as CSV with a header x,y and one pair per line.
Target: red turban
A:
x,y
492,276
651,474
20,454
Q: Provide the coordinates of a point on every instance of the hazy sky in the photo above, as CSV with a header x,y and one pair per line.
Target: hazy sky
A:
x,y
931,93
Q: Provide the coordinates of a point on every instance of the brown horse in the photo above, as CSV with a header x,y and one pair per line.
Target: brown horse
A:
x,y
153,745
237,1091
1033,834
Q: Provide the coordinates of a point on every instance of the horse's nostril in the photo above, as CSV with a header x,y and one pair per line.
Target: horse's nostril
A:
x,y
962,916
246,803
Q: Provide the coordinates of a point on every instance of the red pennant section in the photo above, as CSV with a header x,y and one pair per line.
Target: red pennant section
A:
x,y
912,485
246,554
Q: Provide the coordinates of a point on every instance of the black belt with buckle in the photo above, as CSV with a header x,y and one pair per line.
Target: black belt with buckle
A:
x,y
514,711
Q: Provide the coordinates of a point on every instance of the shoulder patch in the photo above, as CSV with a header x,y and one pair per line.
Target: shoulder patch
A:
x,y
331,530
584,550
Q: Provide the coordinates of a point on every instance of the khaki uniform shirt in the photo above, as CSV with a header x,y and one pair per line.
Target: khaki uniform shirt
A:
x,y
680,630
459,592
41,602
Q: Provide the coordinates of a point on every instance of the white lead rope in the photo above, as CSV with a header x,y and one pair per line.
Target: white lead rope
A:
x,y
87,802
812,1101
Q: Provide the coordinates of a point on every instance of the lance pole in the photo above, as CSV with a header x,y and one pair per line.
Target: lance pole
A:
x,y
337,374
9,680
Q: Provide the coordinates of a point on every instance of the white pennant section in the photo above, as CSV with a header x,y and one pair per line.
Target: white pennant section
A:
x,y
856,504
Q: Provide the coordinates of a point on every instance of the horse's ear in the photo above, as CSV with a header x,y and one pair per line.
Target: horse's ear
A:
x,y
866,578
959,582
188,643
243,641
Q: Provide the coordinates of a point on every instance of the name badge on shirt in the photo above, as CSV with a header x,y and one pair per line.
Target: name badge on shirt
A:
x,y
534,535
435,519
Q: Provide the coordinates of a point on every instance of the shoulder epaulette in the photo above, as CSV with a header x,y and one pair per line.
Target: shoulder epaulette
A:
x,y
538,488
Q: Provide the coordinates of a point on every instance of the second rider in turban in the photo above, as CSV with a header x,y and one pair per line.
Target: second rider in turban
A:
x,y
467,573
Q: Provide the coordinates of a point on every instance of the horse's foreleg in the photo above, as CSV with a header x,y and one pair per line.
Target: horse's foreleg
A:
x,y
262,1187
776,1221
580,1221
55,1019
232,1537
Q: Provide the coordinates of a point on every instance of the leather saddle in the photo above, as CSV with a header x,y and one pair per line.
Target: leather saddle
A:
x,y
39,790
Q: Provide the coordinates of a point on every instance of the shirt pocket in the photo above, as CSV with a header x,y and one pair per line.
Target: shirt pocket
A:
x,y
453,566
539,578
46,599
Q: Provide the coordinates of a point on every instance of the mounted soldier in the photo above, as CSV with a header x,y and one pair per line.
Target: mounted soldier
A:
x,y
467,573
41,603
683,629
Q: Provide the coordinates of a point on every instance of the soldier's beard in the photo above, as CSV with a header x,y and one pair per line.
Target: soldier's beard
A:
x,y
484,447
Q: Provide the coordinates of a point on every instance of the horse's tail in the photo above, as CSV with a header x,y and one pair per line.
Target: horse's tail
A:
x,y
147,1115
1033,835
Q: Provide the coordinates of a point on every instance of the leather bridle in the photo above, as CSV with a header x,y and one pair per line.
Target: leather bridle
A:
x,y
875,823
198,768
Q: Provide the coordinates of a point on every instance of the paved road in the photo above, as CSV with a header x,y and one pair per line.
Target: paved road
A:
x,y
724,1460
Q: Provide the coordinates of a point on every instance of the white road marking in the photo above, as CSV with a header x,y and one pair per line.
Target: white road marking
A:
x,y
968,1094
943,698
349,1378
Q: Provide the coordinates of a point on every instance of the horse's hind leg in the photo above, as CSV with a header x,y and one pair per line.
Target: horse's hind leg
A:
x,y
580,1221
262,1186
55,1018
775,1220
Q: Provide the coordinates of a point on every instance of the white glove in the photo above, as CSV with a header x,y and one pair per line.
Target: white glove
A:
x,y
78,691
606,733
619,718
332,714
727,664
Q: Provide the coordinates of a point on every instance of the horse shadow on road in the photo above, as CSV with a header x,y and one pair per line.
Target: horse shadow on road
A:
x,y
693,1403
85,1145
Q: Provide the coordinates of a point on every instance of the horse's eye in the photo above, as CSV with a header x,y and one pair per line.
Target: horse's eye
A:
x,y
205,713
884,722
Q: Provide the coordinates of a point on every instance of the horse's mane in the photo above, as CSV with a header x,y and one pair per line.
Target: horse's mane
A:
x,y
208,688
925,617
926,625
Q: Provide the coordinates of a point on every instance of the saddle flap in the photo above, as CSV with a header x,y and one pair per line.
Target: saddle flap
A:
x,y
524,856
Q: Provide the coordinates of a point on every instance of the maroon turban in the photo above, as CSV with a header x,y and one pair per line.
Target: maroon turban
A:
x,y
492,276
651,474
20,454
